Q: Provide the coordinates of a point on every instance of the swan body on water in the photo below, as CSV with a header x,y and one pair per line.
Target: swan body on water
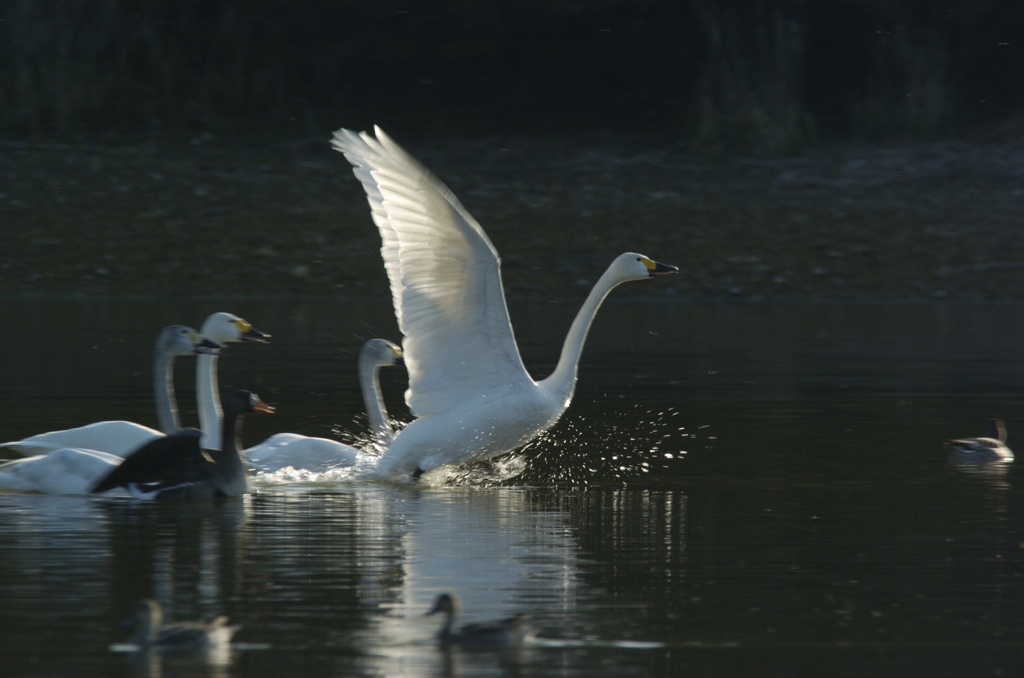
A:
x,y
468,388
320,454
178,468
68,470
151,632
73,461
990,447
77,469
500,632
121,437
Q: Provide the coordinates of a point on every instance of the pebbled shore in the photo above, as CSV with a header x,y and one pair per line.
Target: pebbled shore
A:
x,y
205,217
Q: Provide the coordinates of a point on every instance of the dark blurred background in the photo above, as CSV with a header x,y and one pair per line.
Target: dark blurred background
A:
x,y
726,76
771,149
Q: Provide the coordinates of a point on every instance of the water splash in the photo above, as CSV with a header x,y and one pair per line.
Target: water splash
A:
x,y
620,446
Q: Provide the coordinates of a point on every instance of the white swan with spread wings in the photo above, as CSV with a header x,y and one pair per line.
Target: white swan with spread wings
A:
x,y
468,388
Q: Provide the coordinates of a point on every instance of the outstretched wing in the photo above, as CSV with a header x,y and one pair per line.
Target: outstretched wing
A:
x,y
445,279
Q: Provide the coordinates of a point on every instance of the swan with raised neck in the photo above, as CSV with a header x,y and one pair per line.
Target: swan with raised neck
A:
x,y
468,388
220,328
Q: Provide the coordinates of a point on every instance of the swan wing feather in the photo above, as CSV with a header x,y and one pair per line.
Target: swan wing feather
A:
x,y
62,471
113,437
445,279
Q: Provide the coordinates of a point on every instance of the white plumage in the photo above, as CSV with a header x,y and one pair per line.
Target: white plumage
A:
x,y
468,387
66,470
94,451
121,437
282,450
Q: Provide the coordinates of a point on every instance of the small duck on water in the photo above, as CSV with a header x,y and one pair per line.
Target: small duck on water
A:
x,y
990,447
499,632
150,631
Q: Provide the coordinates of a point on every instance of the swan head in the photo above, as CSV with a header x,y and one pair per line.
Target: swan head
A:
x,y
225,327
381,353
633,266
178,340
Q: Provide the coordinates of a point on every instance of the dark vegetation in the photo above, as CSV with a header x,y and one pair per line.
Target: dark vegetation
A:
x,y
857,148
729,75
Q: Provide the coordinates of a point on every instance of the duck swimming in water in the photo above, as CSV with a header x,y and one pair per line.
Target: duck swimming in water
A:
x,y
150,631
990,447
499,632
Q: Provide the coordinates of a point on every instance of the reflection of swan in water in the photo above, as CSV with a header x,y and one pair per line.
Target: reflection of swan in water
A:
x,y
471,395
121,437
180,467
501,632
150,631
990,447
320,454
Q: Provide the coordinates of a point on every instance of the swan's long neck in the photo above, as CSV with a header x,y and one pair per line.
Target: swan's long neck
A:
x,y
210,413
563,380
163,392
373,398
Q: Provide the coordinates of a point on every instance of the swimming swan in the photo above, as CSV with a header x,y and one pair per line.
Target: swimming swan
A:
x,y
320,454
178,468
121,437
468,389
67,470
77,470
990,447
500,632
221,328
150,631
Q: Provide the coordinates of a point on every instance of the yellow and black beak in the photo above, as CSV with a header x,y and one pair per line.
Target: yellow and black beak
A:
x,y
247,332
253,334
655,268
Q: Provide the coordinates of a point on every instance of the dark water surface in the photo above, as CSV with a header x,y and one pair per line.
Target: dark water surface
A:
x,y
748,489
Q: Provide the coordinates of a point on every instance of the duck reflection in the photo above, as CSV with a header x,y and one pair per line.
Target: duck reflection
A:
x,y
504,552
213,662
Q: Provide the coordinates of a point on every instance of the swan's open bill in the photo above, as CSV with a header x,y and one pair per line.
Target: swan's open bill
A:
x,y
500,632
178,468
150,631
468,389
990,447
